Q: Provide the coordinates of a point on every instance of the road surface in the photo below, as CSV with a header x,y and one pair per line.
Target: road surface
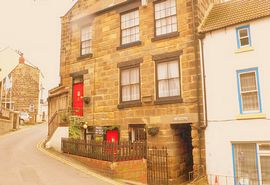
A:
x,y
21,163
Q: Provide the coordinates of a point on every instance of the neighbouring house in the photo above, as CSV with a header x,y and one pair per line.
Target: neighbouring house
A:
x,y
237,92
131,69
20,84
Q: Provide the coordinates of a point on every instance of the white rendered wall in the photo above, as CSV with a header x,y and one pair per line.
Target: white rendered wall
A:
x,y
55,141
221,64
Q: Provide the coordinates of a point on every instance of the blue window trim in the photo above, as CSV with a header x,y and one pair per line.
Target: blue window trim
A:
x,y
257,164
258,88
234,169
238,39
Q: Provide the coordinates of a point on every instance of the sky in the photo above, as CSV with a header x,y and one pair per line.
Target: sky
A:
x,y
33,27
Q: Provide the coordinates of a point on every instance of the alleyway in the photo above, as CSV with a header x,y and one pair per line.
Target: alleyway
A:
x,y
23,164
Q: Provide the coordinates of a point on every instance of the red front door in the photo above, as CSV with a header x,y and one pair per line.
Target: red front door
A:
x,y
78,99
112,136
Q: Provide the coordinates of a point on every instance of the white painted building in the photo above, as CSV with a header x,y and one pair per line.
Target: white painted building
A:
x,y
236,57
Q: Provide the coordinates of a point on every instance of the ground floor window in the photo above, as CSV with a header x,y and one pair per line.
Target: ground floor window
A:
x,y
251,163
137,132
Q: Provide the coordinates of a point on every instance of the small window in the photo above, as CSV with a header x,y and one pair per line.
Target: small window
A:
x,y
249,91
243,37
130,84
86,40
137,133
168,81
130,31
165,17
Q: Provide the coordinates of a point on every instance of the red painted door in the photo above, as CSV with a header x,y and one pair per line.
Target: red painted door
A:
x,y
112,136
78,99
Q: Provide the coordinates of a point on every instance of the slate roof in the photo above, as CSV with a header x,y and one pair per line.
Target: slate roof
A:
x,y
234,12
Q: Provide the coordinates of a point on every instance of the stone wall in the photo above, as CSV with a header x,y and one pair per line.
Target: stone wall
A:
x,y
5,126
128,170
25,90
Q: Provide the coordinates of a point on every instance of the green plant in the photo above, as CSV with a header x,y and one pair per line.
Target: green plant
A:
x,y
75,127
153,131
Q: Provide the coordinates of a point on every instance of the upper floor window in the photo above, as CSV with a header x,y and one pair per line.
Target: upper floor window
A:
x,y
165,17
243,36
168,80
249,91
86,40
130,84
130,31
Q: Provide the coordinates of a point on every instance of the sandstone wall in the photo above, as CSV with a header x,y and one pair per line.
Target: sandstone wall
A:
x,y
101,81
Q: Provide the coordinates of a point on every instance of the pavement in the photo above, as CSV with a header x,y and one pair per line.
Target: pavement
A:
x,y
24,162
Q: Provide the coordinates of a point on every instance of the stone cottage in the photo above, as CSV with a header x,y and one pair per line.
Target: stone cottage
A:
x,y
21,85
133,68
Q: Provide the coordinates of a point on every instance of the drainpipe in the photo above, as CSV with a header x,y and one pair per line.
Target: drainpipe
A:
x,y
205,118
195,45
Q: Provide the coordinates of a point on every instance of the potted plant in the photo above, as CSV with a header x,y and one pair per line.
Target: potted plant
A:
x,y
153,131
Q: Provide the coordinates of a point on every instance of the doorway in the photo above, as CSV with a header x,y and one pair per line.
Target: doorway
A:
x,y
112,136
78,98
183,136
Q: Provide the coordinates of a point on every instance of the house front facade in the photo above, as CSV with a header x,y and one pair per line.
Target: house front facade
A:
x,y
131,69
21,85
237,92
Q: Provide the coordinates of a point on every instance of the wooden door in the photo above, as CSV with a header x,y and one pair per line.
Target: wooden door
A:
x,y
112,136
78,99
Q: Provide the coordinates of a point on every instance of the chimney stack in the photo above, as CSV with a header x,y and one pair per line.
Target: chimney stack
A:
x,y
21,59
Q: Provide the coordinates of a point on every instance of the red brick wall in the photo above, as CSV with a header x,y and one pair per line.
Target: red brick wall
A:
x,y
134,170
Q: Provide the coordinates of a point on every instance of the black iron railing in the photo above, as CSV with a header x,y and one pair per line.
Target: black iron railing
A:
x,y
106,151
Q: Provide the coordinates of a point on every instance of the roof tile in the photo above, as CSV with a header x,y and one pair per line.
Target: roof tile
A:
x,y
234,12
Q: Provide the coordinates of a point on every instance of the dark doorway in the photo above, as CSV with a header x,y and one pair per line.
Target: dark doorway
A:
x,y
183,135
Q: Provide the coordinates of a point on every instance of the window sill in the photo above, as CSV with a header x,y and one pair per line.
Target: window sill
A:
x,y
124,46
165,36
85,56
251,116
129,104
245,49
168,100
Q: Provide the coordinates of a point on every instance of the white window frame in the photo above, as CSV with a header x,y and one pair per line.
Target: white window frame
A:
x,y
247,28
130,84
164,18
125,17
168,79
261,153
88,40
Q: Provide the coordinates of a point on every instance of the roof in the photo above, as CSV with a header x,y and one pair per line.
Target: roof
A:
x,y
97,7
234,12
9,60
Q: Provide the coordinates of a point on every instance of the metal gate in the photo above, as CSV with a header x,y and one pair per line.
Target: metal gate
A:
x,y
157,166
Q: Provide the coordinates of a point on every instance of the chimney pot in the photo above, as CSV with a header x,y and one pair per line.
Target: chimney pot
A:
x,y
21,59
